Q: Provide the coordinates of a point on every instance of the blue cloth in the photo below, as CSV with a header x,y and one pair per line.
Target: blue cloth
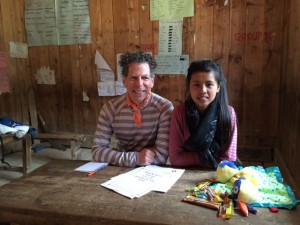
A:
x,y
11,123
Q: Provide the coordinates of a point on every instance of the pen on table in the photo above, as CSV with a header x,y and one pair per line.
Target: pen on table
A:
x,y
91,173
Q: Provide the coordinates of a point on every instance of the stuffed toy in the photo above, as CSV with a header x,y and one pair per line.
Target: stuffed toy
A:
x,y
243,190
244,181
225,171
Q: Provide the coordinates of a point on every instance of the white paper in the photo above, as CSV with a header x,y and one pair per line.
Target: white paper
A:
x,y
45,76
18,50
91,167
172,64
119,69
142,180
120,89
106,88
57,22
170,37
104,71
171,175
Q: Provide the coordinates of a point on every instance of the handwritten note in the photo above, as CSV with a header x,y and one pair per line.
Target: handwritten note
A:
x,y
171,9
18,50
172,64
57,22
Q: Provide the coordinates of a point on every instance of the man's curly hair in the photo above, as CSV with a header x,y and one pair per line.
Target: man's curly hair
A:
x,y
137,57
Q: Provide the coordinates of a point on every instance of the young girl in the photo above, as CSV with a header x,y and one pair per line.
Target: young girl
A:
x,y
203,130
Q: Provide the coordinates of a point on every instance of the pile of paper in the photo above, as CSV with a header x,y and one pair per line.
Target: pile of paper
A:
x,y
142,180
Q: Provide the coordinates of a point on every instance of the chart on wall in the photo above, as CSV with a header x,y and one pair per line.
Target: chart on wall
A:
x,y
57,22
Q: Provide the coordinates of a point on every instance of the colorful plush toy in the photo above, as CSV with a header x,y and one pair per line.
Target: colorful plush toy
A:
x,y
225,171
243,190
244,181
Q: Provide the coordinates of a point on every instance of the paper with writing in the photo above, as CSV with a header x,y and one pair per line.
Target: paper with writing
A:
x,y
142,180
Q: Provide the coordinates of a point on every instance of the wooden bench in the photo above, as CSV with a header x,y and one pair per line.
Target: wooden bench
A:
x,y
26,152
75,141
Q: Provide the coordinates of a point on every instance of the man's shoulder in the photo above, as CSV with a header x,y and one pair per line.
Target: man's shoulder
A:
x,y
157,99
116,100
114,104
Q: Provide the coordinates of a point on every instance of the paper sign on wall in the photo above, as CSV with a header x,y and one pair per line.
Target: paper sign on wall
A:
x,y
170,37
18,50
104,71
45,76
172,64
171,9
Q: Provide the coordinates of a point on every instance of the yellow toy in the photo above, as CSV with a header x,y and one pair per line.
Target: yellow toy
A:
x,y
244,181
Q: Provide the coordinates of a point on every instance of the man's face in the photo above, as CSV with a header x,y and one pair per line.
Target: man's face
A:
x,y
138,82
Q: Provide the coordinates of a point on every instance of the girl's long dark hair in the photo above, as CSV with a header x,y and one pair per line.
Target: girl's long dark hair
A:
x,y
224,130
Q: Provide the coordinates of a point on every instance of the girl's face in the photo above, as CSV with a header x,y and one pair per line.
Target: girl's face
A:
x,y
203,89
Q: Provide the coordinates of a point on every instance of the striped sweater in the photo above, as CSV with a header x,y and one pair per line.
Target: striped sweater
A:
x,y
116,118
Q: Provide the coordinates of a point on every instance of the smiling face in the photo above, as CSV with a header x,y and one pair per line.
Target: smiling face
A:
x,y
203,89
138,82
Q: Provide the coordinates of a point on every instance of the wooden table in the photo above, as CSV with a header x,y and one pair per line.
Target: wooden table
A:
x,y
56,194
26,152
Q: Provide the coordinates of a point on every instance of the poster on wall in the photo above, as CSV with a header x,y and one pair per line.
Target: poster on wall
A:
x,y
57,22
172,64
170,37
171,9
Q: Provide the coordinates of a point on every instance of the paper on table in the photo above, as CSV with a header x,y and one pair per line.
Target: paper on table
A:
x,y
91,167
142,180
171,175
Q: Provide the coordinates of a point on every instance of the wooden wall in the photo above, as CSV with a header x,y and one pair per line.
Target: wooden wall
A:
x,y
289,121
254,41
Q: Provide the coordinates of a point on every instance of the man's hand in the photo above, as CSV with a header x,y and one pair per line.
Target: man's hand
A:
x,y
145,157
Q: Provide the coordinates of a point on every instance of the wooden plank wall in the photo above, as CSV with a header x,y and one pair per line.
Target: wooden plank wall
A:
x,y
288,153
244,36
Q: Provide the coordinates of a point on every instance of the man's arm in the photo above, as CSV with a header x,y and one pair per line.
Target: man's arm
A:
x,y
101,151
162,140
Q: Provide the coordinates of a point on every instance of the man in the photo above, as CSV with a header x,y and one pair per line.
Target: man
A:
x,y
139,119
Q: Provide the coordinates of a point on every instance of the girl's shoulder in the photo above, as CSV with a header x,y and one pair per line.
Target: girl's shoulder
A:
x,y
180,108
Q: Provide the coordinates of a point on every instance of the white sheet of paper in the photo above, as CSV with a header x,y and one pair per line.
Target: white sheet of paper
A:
x,y
104,71
142,180
171,175
106,88
120,89
57,22
119,69
18,50
170,37
91,167
172,64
